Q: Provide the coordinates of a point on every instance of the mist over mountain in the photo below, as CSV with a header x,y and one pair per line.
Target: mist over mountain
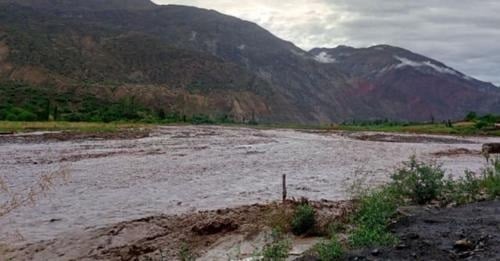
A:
x,y
195,61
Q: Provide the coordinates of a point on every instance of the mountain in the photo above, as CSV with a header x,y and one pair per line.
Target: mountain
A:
x,y
191,61
84,4
402,85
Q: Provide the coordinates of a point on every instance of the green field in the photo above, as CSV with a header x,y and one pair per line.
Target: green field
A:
x,y
461,128
16,126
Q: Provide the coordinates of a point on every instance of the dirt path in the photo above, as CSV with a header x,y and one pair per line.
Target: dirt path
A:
x,y
184,169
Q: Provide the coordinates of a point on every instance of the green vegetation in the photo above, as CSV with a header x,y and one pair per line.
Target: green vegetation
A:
x,y
10,126
415,183
185,253
491,179
22,102
466,189
303,220
374,212
418,181
278,248
473,125
329,250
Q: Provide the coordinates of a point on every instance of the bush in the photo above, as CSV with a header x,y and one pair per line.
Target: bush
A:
x,y
278,248
303,219
374,212
419,182
491,179
471,116
463,190
329,250
481,124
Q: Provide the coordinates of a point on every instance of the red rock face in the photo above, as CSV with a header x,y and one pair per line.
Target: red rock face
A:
x,y
401,85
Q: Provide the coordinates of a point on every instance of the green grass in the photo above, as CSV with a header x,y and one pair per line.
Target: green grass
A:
x,y
16,126
462,128
278,248
329,250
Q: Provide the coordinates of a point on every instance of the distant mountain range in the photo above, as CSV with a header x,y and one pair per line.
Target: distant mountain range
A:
x,y
195,61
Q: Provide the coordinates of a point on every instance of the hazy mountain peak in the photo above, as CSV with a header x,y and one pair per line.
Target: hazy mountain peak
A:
x,y
84,4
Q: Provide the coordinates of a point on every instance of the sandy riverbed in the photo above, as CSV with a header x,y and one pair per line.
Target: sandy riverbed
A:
x,y
182,169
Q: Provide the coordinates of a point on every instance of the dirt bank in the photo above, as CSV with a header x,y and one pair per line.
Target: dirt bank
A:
x,y
407,138
470,233
164,236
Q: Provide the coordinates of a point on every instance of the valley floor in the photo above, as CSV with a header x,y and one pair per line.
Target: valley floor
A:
x,y
185,169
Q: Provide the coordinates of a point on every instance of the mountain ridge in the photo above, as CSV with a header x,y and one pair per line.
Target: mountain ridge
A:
x,y
192,51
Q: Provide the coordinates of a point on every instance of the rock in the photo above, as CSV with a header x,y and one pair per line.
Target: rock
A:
x,y
464,245
376,252
465,254
402,246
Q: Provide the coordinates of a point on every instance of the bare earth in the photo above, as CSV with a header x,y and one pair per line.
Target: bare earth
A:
x,y
184,169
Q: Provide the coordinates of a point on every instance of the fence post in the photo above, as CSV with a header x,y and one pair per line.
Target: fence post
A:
x,y
284,188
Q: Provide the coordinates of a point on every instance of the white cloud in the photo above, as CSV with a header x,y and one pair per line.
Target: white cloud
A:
x,y
323,57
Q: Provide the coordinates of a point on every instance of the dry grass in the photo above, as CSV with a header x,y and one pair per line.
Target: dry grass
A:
x,y
28,197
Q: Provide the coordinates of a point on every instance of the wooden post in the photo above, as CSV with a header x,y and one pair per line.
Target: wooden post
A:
x,y
284,188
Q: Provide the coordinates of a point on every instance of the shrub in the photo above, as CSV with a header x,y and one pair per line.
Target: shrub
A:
x,y
329,250
471,116
481,124
491,179
374,212
303,219
278,248
419,182
463,190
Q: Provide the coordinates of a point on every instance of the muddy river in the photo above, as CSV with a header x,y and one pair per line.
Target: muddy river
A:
x,y
183,169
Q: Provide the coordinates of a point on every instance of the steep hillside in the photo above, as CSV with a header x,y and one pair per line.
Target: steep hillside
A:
x,y
226,66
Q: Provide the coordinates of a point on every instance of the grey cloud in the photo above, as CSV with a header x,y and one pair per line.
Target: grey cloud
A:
x,y
463,34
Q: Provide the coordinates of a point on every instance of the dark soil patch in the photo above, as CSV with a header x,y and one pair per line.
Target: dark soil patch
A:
x,y
73,136
469,232
407,138
456,152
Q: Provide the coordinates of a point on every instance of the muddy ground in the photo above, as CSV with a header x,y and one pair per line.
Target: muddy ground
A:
x,y
209,235
186,169
470,232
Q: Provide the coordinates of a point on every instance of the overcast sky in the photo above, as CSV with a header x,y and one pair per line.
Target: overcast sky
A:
x,y
464,34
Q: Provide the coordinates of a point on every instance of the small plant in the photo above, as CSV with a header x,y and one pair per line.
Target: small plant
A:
x,y
329,250
278,248
303,219
185,253
419,182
